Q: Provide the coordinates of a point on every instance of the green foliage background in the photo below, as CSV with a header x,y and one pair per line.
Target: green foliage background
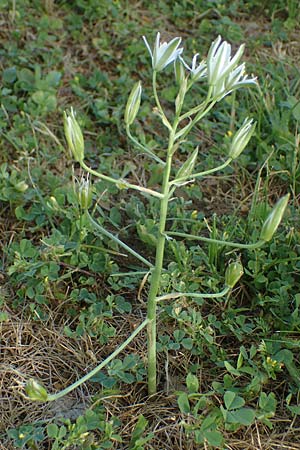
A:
x,y
87,54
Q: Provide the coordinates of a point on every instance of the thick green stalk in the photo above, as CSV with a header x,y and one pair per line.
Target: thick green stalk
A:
x,y
156,274
160,247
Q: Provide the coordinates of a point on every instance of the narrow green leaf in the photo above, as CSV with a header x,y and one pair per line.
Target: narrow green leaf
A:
x,y
240,361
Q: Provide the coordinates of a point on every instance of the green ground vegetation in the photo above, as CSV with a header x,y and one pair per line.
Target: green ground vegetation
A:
x,y
229,368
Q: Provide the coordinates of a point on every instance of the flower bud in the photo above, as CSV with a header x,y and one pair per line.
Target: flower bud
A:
x,y
241,138
187,167
179,71
233,273
21,186
84,193
36,391
74,136
181,94
274,218
133,104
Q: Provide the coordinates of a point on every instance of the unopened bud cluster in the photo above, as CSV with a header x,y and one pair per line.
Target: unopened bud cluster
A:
x,y
74,136
83,191
36,391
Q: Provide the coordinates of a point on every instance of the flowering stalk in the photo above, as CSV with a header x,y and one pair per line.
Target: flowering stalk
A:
x,y
223,75
156,274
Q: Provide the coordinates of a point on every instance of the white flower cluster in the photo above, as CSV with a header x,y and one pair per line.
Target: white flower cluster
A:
x,y
220,68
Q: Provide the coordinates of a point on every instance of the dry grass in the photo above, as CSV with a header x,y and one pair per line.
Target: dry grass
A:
x,y
41,350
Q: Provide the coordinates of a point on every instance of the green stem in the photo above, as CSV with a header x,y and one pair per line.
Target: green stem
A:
x,y
143,147
155,281
120,183
174,295
102,249
93,372
198,108
160,247
128,274
194,110
156,274
194,121
118,241
201,174
216,241
159,107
